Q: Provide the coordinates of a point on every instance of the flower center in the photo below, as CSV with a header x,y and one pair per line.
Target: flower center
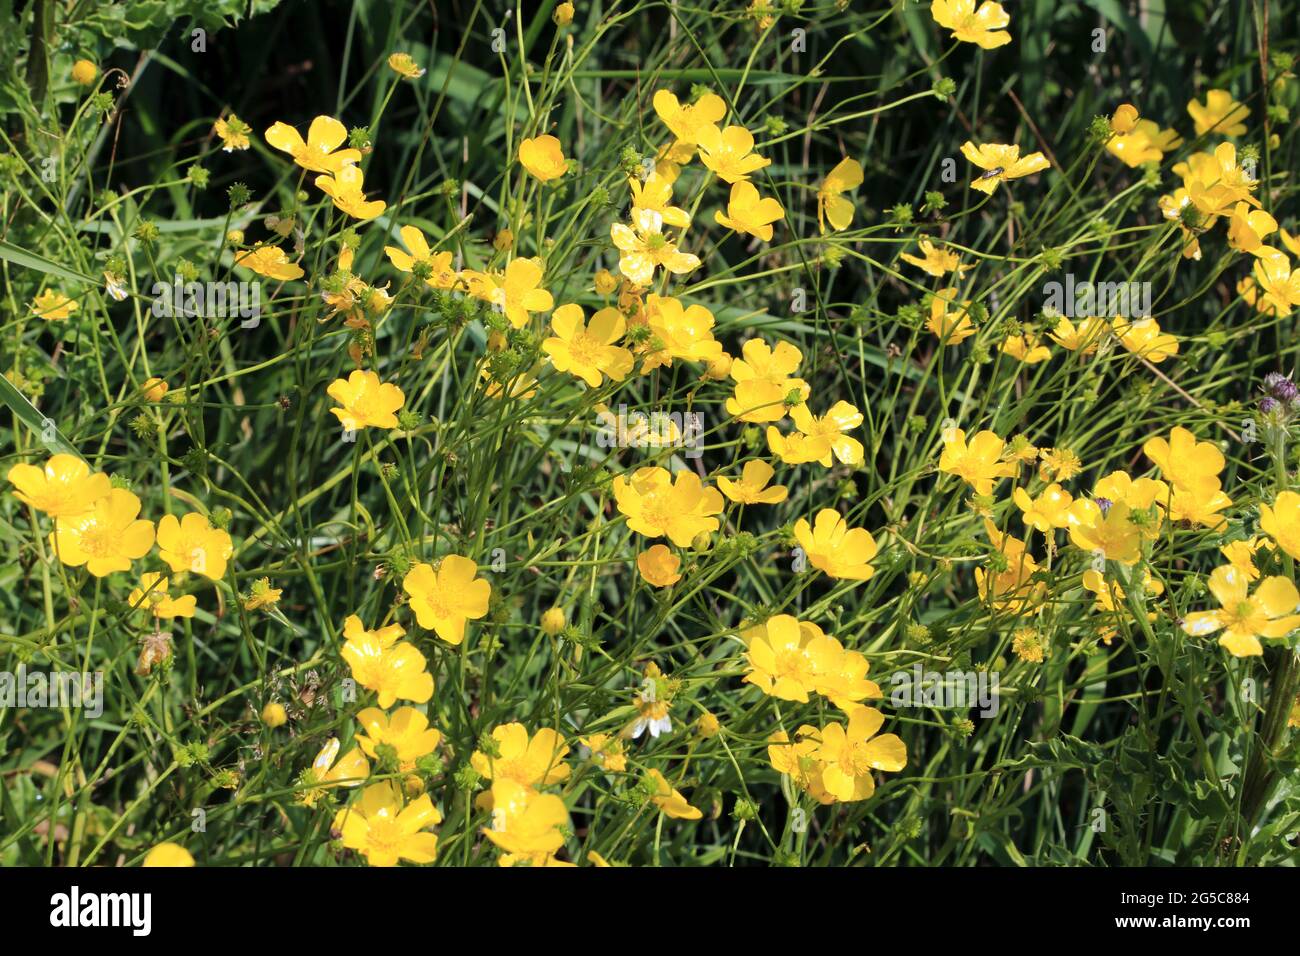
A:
x,y
585,348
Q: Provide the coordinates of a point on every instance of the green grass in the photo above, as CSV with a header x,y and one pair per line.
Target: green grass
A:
x,y
1178,748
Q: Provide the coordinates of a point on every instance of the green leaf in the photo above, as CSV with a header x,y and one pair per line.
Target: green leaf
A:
x,y
33,419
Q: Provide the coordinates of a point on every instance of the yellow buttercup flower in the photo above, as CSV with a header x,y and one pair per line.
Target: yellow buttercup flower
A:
x,y
1278,283
796,760
670,800
1124,119
1009,583
262,595
764,381
980,464
233,133
1186,463
934,261
1241,554
63,487
384,831
695,124
270,261
953,325
1083,338
834,548
656,195
442,274
106,538
851,753
191,543
731,156
1001,163
404,66
657,504
1049,510
832,205
753,488
1026,348
320,152
1137,141
791,660
535,761
1281,522
525,824
366,401
516,292
1107,531
659,566
587,350
168,855
983,27
446,599
1139,494
1144,338
748,213
1058,464
326,772
680,332
543,158
379,662
152,596
1245,618
606,750
52,306
645,248
821,439
1216,182
345,188
1200,506
406,730
1220,114
1247,228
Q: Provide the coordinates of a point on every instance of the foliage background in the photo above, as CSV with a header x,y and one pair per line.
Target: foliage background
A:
x,y
1153,729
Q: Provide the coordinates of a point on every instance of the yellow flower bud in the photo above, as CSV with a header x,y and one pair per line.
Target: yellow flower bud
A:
x,y
605,282
168,855
563,15
553,621
273,715
1125,119
154,389
84,72
235,237
503,240
718,368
